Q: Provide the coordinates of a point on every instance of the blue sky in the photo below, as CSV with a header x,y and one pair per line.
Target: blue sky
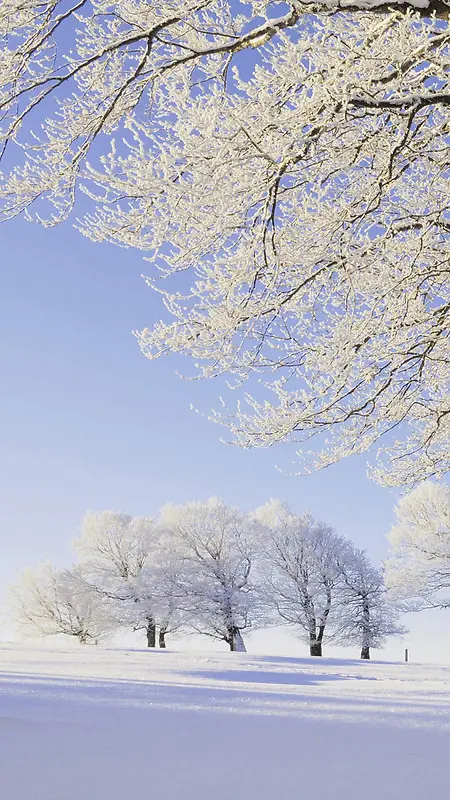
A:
x,y
88,423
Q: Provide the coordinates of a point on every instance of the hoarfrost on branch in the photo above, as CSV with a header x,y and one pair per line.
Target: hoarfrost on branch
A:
x,y
286,176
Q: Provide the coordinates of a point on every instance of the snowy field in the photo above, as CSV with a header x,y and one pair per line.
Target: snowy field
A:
x,y
95,724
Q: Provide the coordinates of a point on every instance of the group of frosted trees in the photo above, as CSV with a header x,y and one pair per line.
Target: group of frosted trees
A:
x,y
208,568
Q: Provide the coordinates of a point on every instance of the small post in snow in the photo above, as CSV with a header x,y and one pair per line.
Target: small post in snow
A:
x,y
406,655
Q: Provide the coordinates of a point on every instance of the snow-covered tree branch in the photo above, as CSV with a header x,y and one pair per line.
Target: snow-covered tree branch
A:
x,y
293,166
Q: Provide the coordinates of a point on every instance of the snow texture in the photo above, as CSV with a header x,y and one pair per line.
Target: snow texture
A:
x,y
95,724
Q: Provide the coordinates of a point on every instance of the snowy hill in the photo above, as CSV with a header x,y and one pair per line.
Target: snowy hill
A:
x,y
96,724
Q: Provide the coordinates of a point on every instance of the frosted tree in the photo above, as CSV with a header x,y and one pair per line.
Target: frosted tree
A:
x,y
122,561
46,601
303,574
292,163
369,613
419,567
215,547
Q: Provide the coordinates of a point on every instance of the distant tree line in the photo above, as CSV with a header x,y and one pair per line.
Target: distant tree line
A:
x,y
208,568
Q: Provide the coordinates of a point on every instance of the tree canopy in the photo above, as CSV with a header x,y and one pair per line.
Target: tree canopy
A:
x,y
419,567
284,169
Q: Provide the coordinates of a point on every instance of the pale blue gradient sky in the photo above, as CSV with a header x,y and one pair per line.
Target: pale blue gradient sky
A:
x,y
88,423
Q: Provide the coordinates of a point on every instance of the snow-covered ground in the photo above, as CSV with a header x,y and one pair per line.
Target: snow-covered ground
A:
x,y
94,724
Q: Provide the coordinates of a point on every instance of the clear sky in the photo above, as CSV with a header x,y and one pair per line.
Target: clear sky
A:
x,y
88,423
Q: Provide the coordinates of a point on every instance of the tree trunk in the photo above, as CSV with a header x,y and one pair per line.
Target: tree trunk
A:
x,y
316,645
367,632
239,645
235,640
151,632
315,648
315,639
162,637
